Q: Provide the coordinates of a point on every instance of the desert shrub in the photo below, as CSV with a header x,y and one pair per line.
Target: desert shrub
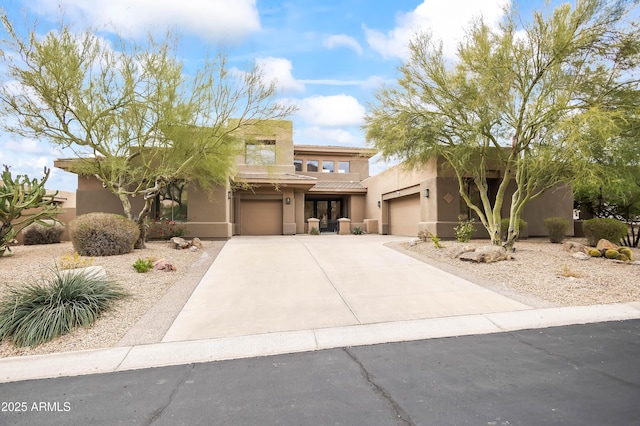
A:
x,y
557,228
39,312
143,265
103,234
465,229
37,233
314,231
599,228
357,231
73,261
504,227
165,230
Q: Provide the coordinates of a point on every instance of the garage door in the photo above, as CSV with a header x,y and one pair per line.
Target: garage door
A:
x,y
261,217
404,215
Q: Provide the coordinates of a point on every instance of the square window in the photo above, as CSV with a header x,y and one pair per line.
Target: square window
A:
x,y
260,152
312,165
343,167
327,167
298,165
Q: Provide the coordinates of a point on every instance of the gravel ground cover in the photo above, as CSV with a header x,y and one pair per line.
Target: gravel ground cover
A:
x,y
541,274
31,263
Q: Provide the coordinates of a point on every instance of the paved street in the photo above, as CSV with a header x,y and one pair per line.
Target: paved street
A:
x,y
576,375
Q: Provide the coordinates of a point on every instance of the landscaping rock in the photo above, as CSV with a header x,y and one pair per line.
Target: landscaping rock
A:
x,y
573,247
197,243
458,250
486,254
164,265
92,271
604,245
193,249
581,256
180,243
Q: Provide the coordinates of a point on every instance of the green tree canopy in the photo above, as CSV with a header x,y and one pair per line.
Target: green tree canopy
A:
x,y
515,99
136,119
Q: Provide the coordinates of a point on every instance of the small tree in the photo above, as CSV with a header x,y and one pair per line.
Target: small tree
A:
x,y
515,102
135,118
18,195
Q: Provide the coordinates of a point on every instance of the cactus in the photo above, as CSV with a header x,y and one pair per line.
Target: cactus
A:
x,y
622,257
595,252
16,196
627,252
611,254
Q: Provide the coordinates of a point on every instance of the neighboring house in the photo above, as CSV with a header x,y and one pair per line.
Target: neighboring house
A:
x,y
277,186
66,201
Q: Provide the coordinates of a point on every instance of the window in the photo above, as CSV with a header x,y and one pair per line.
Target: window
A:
x,y
327,167
260,152
343,167
298,165
171,202
312,165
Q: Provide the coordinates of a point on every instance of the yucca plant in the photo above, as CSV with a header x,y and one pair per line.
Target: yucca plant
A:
x,y
54,306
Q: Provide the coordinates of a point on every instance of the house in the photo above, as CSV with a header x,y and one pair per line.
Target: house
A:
x,y
278,188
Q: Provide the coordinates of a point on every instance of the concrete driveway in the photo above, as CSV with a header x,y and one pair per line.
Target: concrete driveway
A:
x,y
283,283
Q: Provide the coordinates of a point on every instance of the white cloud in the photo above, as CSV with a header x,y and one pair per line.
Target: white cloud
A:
x,y
319,135
208,19
279,69
446,20
329,111
342,40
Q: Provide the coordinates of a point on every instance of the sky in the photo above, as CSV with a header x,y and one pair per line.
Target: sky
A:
x,y
327,57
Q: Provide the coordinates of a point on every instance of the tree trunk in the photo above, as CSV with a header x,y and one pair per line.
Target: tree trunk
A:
x,y
141,221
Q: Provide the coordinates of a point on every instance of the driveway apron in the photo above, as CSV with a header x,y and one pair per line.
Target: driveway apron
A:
x,y
283,283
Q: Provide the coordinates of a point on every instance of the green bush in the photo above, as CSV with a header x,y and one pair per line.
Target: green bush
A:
x,y
314,231
38,313
103,234
464,231
599,228
557,228
504,227
143,265
42,234
357,231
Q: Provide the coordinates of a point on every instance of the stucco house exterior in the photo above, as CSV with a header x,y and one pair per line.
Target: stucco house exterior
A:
x,y
278,188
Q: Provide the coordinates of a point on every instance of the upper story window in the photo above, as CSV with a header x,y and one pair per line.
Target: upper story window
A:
x,y
298,165
343,167
312,165
327,166
260,151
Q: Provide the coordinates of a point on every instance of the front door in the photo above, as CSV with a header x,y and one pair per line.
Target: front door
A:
x,y
327,210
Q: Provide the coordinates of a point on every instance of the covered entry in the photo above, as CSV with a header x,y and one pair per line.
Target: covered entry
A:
x,y
404,215
261,217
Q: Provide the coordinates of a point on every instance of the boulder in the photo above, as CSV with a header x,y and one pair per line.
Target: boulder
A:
x,y
163,265
92,271
197,243
581,256
573,247
458,250
180,243
486,254
606,245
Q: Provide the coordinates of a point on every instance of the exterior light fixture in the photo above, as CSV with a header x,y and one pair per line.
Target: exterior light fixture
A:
x,y
287,200
426,193
379,204
228,195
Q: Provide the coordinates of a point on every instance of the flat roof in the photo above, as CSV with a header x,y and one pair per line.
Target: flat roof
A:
x,y
334,150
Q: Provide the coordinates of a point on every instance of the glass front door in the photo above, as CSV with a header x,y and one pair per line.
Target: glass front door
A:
x,y
328,211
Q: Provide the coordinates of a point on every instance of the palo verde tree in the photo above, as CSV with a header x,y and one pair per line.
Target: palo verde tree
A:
x,y
23,201
514,100
136,119
613,189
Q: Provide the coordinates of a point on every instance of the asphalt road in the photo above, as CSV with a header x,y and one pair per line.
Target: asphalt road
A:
x,y
574,375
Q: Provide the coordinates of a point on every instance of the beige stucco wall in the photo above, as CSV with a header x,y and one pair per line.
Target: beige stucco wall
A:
x,y
439,211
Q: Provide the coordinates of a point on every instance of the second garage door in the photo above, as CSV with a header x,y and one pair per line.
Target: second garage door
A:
x,y
404,215
261,217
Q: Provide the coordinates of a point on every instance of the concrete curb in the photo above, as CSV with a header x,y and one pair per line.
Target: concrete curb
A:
x,y
197,351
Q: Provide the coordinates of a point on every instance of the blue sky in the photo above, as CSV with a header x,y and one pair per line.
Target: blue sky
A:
x,y
328,57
